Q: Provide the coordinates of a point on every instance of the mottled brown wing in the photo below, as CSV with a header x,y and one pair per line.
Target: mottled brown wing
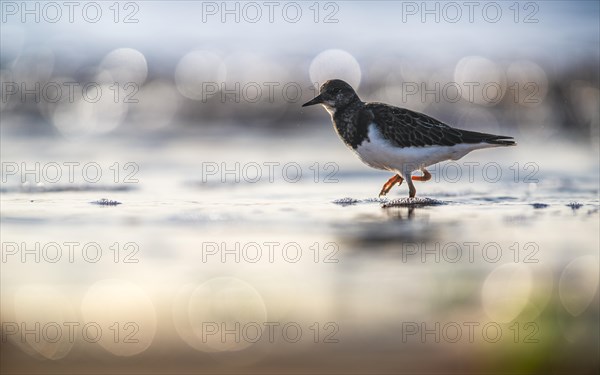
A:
x,y
406,128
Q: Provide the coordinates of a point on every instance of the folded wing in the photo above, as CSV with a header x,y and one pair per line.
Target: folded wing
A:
x,y
406,128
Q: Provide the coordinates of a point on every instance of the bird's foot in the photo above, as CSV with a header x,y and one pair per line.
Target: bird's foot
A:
x,y
390,184
425,177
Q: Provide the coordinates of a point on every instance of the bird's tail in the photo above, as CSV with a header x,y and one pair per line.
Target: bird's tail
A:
x,y
491,139
501,140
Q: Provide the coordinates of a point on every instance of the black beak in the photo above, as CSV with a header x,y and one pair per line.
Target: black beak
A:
x,y
316,100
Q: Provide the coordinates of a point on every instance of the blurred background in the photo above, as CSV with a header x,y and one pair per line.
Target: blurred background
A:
x,y
186,116
530,68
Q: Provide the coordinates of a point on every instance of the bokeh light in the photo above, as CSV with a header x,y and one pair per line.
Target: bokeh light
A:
x,y
578,284
124,313
156,106
94,112
483,81
506,291
126,65
225,303
335,64
527,83
196,69
43,311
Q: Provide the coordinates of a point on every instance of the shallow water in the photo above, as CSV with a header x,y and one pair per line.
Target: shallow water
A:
x,y
197,271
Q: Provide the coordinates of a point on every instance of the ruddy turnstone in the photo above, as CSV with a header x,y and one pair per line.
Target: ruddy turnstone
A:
x,y
397,139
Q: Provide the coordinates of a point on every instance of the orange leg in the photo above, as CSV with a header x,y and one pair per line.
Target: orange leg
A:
x,y
390,184
426,176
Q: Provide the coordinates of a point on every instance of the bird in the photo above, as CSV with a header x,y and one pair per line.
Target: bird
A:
x,y
397,139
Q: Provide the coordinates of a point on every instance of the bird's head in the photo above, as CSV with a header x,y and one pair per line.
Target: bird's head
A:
x,y
334,94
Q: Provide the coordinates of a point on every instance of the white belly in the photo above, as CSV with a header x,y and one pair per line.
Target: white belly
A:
x,y
381,154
